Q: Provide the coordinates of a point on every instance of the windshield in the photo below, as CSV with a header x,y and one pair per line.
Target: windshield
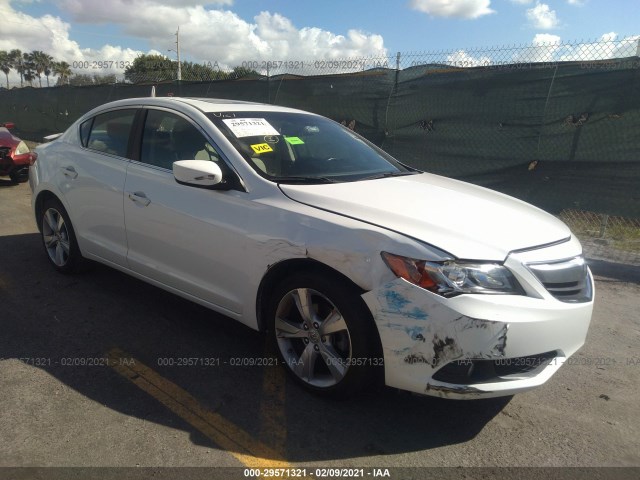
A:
x,y
296,147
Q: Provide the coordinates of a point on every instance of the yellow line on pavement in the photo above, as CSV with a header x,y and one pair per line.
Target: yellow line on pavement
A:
x,y
273,419
248,450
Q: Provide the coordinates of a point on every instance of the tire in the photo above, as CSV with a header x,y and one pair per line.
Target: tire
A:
x,y
59,239
330,348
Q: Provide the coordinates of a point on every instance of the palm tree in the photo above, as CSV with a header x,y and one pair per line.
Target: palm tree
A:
x,y
17,62
29,68
41,64
48,67
63,71
5,64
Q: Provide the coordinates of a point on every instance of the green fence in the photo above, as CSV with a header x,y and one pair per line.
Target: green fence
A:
x,y
556,125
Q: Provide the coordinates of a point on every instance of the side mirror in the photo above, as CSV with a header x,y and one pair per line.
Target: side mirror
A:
x,y
199,173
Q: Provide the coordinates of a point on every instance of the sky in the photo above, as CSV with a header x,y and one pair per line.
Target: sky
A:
x,y
234,32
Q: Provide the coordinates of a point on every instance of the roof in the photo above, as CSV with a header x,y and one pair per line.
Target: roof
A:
x,y
203,104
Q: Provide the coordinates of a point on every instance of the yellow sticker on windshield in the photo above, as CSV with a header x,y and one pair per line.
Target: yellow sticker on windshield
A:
x,y
262,148
294,140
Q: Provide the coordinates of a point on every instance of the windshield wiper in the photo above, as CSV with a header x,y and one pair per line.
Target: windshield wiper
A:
x,y
388,174
301,179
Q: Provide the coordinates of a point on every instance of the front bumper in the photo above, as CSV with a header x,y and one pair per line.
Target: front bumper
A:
x,y
14,162
474,346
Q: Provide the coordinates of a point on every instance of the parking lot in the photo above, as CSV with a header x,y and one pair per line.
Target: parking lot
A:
x,y
102,370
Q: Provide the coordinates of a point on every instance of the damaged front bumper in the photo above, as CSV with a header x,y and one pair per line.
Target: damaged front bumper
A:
x,y
476,346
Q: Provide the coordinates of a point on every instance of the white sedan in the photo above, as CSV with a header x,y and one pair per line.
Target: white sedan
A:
x,y
361,269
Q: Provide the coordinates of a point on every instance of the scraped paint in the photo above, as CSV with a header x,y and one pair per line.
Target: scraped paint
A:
x,y
396,303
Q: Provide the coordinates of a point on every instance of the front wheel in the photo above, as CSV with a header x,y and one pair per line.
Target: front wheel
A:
x,y
324,334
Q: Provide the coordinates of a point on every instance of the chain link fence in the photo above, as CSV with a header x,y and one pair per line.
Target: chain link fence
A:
x,y
600,54
555,124
605,237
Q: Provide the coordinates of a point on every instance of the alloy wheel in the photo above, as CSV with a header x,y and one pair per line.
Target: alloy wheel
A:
x,y
313,337
56,237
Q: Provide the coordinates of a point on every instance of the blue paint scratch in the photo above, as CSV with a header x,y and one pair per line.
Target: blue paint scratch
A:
x,y
413,332
396,304
395,301
418,314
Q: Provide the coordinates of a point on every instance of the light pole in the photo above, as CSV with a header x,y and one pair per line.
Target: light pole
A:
x,y
177,50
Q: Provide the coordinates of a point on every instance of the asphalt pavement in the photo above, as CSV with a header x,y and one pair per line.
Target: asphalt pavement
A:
x,y
102,370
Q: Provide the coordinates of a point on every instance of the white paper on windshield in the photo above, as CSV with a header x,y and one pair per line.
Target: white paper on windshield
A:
x,y
250,127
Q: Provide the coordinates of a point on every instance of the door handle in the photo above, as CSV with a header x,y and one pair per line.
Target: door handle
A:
x,y
139,197
69,172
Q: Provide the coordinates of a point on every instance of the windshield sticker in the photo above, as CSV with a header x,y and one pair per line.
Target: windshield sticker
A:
x,y
262,148
294,140
250,127
271,139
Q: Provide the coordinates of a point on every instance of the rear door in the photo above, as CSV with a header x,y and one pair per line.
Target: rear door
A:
x,y
92,180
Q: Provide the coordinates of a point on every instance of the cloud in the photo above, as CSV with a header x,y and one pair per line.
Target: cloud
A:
x,y
608,46
544,48
207,35
51,35
460,58
105,11
542,17
219,35
575,2
468,9
545,39
549,48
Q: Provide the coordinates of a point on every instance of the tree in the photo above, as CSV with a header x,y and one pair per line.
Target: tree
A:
x,y
151,68
81,79
41,63
239,72
33,60
5,64
105,79
17,63
198,73
28,68
156,68
63,71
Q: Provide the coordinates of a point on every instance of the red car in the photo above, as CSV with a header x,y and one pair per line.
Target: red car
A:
x,y
15,156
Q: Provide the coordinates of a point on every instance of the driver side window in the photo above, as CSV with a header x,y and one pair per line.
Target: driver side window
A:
x,y
167,138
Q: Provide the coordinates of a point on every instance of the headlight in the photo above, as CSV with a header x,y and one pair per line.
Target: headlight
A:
x,y
22,148
453,278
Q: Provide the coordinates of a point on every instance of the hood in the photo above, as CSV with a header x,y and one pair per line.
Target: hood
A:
x,y
8,139
465,220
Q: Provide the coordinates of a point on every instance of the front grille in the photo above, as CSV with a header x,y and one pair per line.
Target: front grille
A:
x,y
465,372
567,280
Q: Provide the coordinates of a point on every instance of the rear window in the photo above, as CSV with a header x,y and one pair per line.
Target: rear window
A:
x,y
110,132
